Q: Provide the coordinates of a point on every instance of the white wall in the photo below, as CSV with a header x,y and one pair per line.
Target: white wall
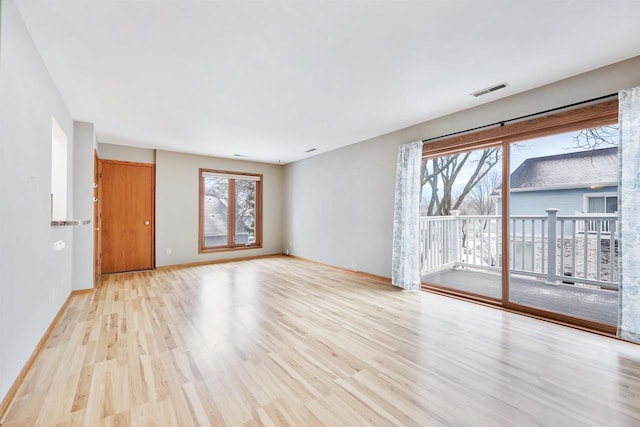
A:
x,y
177,187
34,280
336,206
124,153
339,205
84,142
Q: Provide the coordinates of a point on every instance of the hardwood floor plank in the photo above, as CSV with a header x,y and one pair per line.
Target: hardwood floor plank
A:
x,y
209,404
196,406
281,341
232,409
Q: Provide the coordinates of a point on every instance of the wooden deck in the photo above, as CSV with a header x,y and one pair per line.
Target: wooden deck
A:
x,y
592,304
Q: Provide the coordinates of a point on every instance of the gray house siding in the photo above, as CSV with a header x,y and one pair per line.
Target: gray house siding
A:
x,y
569,201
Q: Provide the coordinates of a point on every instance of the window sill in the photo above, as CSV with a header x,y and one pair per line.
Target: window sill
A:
x,y
228,249
67,223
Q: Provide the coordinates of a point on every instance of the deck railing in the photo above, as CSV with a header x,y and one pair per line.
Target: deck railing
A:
x,y
572,249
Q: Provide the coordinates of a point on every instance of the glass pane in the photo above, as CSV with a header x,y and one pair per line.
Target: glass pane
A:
x,y
563,246
596,205
460,225
612,204
216,202
245,212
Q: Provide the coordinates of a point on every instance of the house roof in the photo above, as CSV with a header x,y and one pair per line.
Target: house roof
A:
x,y
581,169
215,211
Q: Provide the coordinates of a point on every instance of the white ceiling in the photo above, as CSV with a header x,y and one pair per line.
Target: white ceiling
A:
x,y
270,79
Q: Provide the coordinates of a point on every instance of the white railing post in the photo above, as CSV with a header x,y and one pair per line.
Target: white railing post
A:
x,y
552,214
423,249
455,237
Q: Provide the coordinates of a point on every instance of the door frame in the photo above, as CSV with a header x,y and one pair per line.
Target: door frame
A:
x,y
101,162
97,218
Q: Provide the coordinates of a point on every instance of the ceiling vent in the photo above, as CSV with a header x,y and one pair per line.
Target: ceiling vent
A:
x,y
310,150
490,89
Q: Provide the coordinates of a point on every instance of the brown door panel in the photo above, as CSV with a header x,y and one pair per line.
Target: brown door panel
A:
x,y
127,216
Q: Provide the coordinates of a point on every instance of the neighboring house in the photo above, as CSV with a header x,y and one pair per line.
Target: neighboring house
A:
x,y
583,182
215,224
580,182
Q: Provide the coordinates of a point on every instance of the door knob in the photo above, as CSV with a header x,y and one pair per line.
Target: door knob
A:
x,y
146,223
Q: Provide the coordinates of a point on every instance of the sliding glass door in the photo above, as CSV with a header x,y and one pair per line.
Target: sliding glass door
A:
x,y
563,197
460,224
526,216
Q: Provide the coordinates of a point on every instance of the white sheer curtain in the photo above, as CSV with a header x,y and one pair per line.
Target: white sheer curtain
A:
x,y
405,265
629,211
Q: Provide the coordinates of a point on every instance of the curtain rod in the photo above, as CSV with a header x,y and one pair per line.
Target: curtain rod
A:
x,y
502,122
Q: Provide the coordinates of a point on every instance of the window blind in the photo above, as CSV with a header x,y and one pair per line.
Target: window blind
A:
x,y
231,176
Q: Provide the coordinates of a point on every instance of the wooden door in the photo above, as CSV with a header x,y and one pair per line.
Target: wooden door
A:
x,y
127,216
96,219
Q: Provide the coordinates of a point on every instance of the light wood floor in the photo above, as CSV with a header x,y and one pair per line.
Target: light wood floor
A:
x,y
281,341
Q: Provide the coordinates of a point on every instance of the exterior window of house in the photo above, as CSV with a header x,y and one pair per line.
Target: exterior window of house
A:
x,y
230,211
602,204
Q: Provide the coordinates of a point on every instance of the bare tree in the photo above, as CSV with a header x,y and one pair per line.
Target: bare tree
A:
x,y
217,187
245,206
591,139
440,174
480,199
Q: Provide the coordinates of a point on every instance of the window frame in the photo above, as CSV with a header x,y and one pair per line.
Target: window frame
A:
x,y
594,115
231,211
594,195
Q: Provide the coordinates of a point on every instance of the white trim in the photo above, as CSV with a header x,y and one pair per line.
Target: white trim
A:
x,y
555,187
564,187
230,176
587,196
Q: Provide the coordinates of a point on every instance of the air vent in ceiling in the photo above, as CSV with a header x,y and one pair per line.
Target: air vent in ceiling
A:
x,y
490,89
310,150
240,155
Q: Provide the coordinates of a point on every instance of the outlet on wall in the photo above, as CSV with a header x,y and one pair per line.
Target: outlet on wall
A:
x,y
168,251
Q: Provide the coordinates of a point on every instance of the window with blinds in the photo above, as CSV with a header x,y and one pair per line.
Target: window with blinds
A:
x,y
602,204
